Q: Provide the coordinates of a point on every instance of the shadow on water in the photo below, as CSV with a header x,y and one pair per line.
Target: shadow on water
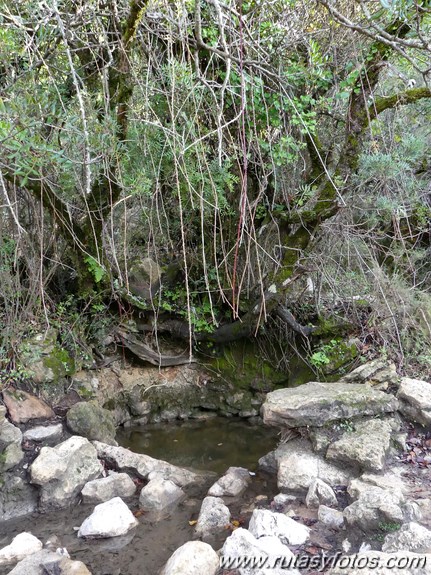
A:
x,y
214,444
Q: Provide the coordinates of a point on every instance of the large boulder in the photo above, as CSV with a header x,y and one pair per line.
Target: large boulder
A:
x,y
22,545
298,467
92,421
143,465
63,470
231,484
415,400
316,404
268,523
105,488
160,495
110,519
366,445
214,517
24,407
192,558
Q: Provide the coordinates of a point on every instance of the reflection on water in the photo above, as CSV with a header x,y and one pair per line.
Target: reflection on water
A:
x,y
213,444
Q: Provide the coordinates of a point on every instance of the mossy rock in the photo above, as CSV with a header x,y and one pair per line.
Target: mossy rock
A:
x,y
60,362
92,421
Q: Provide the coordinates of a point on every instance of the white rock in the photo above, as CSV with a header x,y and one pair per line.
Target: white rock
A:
x,y
232,484
264,522
214,517
35,565
109,519
411,537
242,544
373,507
106,488
43,433
320,492
298,467
63,470
21,546
390,481
160,494
192,558
415,399
330,517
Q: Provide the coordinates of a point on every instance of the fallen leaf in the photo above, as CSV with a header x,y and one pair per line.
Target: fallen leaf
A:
x,y
193,522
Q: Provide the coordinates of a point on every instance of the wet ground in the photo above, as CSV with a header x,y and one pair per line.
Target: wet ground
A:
x,y
213,444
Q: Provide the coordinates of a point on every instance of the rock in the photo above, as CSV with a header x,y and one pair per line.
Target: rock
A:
x,y
92,421
160,494
316,404
320,492
282,500
142,465
299,467
109,519
378,563
267,549
233,483
144,278
114,485
415,400
44,562
63,470
22,545
367,445
374,507
17,498
192,558
390,481
411,537
268,523
330,517
44,433
378,371
11,453
213,518
23,407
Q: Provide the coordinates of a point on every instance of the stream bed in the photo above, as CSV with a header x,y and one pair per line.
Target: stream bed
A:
x,y
212,445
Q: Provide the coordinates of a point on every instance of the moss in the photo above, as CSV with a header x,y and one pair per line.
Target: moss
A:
x,y
60,362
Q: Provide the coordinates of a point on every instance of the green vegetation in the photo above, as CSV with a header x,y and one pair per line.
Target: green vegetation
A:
x,y
269,163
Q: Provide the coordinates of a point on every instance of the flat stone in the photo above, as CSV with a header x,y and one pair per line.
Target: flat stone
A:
x,y
142,465
330,517
410,537
63,470
231,484
367,445
214,517
110,519
268,523
44,433
378,372
23,406
415,400
22,545
192,558
106,488
160,494
45,561
316,404
298,467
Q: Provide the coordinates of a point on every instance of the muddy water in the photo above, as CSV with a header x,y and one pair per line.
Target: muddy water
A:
x,y
213,445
